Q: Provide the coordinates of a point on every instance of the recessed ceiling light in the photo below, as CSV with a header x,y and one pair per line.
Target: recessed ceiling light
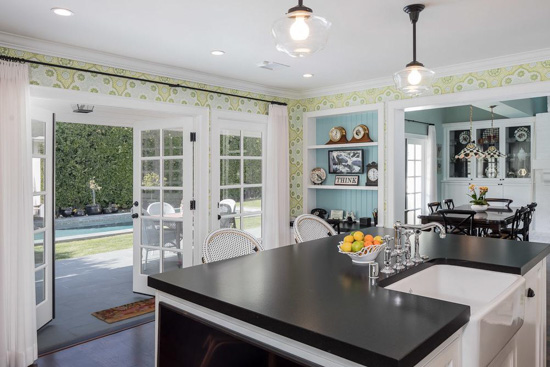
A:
x,y
63,12
308,75
217,52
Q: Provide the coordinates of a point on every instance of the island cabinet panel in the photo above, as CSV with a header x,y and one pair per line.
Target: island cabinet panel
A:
x,y
531,337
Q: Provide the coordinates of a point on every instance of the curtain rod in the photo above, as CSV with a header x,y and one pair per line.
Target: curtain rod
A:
x,y
420,122
172,85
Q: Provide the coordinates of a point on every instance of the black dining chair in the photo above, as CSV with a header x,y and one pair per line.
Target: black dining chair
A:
x,y
449,203
516,231
459,222
496,201
434,206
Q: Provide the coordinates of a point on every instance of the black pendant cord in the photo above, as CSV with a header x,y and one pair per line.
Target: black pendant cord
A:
x,y
414,43
172,85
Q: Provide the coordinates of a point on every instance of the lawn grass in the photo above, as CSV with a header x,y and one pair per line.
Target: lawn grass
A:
x,y
74,249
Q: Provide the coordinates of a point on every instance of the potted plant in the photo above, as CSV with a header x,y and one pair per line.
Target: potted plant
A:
x,y
479,204
93,209
79,212
66,212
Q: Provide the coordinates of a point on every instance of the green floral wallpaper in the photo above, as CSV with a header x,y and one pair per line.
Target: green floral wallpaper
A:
x,y
95,83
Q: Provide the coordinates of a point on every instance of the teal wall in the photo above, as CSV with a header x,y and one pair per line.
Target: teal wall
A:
x,y
361,202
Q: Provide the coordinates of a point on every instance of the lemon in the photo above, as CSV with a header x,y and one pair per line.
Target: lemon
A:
x,y
358,235
346,247
349,239
378,238
356,246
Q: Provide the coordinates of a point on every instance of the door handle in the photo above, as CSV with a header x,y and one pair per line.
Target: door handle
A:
x,y
219,217
530,293
136,203
135,215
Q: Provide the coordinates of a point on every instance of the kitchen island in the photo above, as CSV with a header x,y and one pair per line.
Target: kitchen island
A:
x,y
307,304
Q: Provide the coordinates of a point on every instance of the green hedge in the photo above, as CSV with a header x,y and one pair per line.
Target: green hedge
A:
x,y
84,152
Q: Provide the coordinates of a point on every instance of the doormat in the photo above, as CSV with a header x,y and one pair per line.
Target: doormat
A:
x,y
124,312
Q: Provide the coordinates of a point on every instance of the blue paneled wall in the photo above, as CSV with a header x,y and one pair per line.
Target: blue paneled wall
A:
x,y
361,202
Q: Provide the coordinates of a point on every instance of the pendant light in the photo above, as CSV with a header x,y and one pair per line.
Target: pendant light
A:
x,y
492,151
415,79
300,33
471,150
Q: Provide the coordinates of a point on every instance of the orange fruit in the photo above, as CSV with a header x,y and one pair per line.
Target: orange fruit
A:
x,y
369,238
376,242
358,235
349,239
368,243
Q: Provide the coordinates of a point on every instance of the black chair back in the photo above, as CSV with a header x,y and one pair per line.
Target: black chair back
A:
x,y
434,206
458,221
505,202
449,203
527,219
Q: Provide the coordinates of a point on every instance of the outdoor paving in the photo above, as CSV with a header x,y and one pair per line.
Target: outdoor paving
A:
x,y
85,285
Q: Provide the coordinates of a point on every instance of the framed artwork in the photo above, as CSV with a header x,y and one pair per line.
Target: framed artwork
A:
x,y
337,214
351,180
346,161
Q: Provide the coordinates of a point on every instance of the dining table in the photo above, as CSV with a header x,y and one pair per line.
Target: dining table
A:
x,y
494,218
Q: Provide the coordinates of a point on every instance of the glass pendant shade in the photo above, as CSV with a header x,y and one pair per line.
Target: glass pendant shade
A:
x,y
300,33
470,151
493,152
414,80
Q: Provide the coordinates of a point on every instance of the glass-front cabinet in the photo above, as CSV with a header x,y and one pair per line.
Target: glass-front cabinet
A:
x,y
512,137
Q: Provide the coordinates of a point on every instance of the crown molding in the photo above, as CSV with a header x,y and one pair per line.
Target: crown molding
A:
x,y
87,55
457,69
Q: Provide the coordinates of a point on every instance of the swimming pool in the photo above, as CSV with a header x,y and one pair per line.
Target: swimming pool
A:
x,y
95,230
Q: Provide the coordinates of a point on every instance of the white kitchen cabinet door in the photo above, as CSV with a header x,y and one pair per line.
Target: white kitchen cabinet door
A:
x,y
521,194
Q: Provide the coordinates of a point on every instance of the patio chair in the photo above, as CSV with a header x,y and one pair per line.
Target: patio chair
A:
x,y
227,243
496,202
154,209
449,203
434,207
459,222
227,207
308,227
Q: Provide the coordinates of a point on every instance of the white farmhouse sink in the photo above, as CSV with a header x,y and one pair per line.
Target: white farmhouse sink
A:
x,y
496,303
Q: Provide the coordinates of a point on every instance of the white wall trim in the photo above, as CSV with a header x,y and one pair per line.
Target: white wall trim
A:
x,y
128,63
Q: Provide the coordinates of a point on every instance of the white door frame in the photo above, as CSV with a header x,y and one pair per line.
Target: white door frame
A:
x,y
238,118
63,99
396,129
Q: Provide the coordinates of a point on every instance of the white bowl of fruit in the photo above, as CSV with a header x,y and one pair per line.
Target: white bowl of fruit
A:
x,y
360,247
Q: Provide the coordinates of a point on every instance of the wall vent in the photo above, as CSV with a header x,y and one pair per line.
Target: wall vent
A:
x,y
271,65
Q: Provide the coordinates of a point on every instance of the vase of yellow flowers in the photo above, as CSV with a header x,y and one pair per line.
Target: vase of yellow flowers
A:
x,y
479,203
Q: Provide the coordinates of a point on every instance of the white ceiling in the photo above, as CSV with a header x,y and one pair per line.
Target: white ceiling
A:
x,y
370,39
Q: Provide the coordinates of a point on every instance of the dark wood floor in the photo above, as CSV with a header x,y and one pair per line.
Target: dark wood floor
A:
x,y
134,347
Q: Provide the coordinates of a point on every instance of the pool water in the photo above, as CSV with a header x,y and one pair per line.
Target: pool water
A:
x,y
60,233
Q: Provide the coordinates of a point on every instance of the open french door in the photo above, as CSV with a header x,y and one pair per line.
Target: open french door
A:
x,y
42,126
163,198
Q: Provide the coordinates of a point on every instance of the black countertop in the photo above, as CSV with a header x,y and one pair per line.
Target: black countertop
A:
x,y
311,293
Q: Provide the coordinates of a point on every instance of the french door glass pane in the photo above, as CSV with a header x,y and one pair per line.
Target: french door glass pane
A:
x,y
171,260
418,201
173,142
410,217
252,199
253,225
252,145
150,261
150,232
172,232
38,137
418,152
230,172
38,174
173,203
416,219
410,201
230,201
410,168
410,151
150,173
39,285
410,185
252,171
39,211
418,184
173,172
150,202
418,168
150,143
39,249
230,143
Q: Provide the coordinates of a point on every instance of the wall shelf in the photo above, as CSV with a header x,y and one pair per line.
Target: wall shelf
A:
x,y
340,146
333,187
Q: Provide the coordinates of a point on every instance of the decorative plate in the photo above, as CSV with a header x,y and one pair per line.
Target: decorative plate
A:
x,y
318,175
521,133
522,172
365,255
464,137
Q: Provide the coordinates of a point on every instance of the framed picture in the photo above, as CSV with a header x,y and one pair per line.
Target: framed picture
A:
x,y
337,214
351,180
346,161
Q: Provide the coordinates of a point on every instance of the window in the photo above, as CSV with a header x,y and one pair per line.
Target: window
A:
x,y
414,201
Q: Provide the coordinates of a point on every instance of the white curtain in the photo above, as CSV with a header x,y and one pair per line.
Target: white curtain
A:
x,y
277,195
18,345
431,166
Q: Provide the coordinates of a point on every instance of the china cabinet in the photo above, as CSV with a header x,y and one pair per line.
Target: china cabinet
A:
x,y
509,176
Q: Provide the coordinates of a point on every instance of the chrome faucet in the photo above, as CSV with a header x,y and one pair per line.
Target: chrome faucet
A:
x,y
417,230
408,250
